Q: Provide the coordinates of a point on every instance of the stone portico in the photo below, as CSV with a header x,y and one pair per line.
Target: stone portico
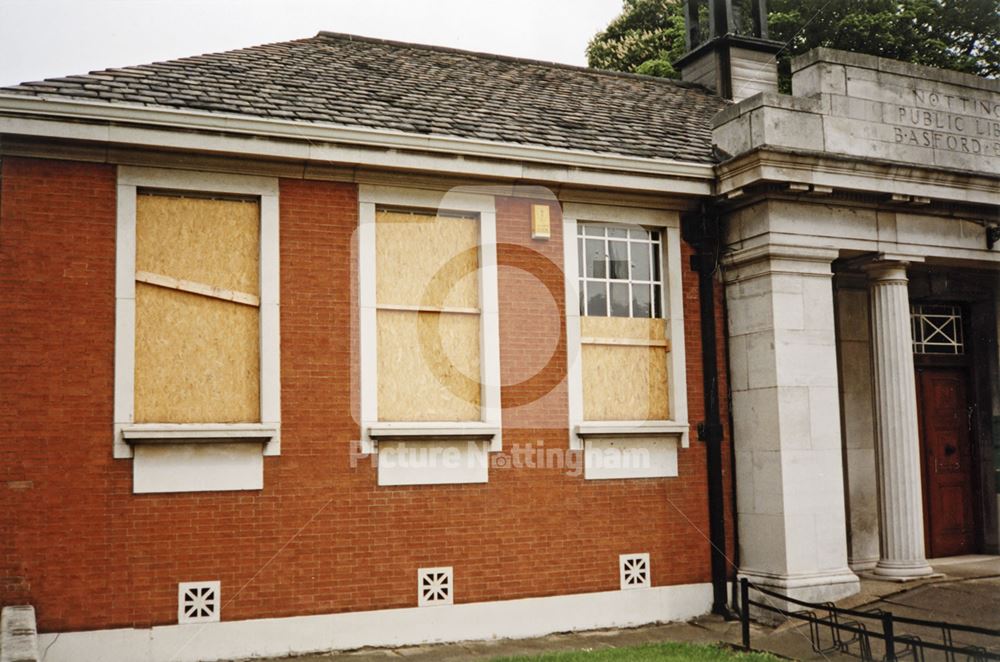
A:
x,y
850,208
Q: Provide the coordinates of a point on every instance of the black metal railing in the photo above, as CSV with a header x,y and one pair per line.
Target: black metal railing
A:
x,y
835,629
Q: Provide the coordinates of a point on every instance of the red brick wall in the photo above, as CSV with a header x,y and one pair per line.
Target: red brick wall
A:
x,y
321,536
532,323
59,489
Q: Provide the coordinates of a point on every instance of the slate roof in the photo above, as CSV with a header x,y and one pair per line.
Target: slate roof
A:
x,y
361,82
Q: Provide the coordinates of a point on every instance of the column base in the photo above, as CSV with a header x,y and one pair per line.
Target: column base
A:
x,y
862,565
818,587
902,571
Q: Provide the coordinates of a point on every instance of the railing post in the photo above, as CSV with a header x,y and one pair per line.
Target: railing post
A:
x,y
745,611
890,637
946,637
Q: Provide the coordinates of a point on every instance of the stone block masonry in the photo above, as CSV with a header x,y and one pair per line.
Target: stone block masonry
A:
x,y
864,106
18,637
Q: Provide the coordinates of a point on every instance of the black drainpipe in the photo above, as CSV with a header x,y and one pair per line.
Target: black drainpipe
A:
x,y
701,230
735,588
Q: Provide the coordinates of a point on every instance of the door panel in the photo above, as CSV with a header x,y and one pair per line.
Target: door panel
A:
x,y
946,435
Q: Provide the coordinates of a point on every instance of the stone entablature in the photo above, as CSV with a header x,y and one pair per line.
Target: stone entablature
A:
x,y
873,108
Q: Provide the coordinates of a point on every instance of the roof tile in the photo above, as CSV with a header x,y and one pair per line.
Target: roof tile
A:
x,y
357,81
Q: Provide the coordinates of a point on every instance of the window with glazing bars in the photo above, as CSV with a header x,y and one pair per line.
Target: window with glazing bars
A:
x,y
937,329
620,272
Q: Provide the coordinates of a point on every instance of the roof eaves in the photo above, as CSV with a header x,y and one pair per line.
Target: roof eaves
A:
x,y
75,109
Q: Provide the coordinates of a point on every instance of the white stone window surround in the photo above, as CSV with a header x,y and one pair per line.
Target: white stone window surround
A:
x,y
371,197
670,264
128,433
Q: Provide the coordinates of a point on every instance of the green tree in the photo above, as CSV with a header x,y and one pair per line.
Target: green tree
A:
x,y
963,35
646,38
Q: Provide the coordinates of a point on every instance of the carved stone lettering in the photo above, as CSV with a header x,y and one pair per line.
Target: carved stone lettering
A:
x,y
949,122
967,105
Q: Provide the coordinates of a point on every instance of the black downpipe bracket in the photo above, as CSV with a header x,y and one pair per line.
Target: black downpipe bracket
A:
x,y
701,230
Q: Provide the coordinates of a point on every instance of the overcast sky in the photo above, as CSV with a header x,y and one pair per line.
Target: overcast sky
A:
x,y
47,38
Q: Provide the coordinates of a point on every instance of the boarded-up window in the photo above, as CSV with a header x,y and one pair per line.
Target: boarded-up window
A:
x,y
622,331
197,347
428,316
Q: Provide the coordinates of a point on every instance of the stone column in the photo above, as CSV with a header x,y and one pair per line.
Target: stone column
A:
x,y
857,402
786,414
900,496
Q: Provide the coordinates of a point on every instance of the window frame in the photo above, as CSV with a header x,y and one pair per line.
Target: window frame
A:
x,y
920,314
672,307
651,283
126,432
464,201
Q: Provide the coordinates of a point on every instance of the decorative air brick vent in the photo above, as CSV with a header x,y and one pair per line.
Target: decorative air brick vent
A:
x,y
435,586
634,570
198,602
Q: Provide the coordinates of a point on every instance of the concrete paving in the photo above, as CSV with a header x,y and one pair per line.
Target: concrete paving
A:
x,y
967,593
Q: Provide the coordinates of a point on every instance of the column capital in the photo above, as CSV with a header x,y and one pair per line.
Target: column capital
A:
x,y
884,267
886,271
778,258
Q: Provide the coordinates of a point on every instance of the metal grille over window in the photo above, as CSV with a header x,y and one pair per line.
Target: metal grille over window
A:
x,y
937,329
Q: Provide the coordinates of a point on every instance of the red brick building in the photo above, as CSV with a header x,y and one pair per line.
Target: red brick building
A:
x,y
238,294
341,342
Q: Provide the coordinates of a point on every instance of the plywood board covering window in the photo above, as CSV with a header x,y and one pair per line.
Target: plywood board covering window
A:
x,y
197,347
623,334
623,383
611,330
426,260
428,316
429,363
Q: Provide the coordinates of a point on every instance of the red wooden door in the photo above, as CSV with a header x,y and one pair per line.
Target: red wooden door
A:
x,y
946,442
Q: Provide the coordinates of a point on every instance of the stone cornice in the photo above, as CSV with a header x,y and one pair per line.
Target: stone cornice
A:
x,y
827,172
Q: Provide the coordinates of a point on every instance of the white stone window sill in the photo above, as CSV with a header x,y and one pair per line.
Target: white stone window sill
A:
x,y
631,449
197,457
432,431
610,429
433,453
185,433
